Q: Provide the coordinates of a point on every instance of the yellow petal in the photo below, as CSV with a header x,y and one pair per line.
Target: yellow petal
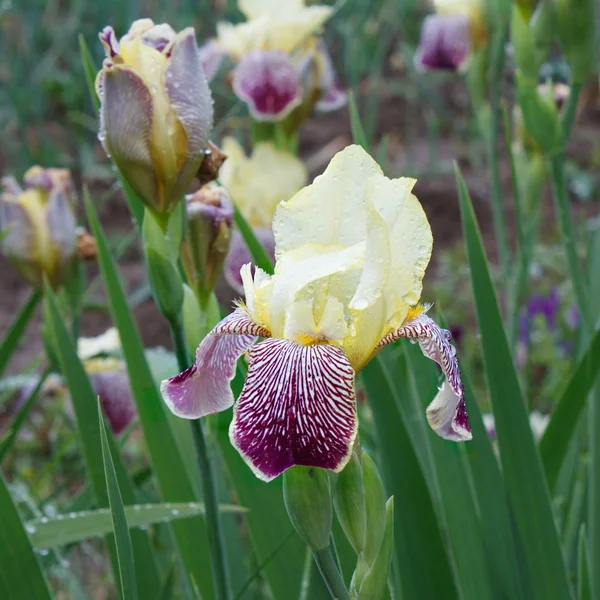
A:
x,y
257,184
410,242
257,8
332,210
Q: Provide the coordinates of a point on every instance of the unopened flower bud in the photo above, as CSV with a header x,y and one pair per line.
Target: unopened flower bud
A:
x,y
156,110
110,382
38,224
209,220
307,497
540,115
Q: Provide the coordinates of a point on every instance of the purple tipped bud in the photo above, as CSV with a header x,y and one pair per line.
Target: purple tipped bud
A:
x,y
209,220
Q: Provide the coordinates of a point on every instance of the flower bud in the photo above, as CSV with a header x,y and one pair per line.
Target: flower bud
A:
x,y
196,322
209,220
369,583
540,115
307,497
576,25
110,382
156,110
39,224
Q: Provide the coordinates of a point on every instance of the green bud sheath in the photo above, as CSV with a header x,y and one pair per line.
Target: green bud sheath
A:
x,y
307,497
371,584
165,283
349,502
576,21
540,115
375,508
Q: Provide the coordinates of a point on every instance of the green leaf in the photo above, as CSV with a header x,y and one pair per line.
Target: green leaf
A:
x,y
555,441
526,485
259,255
584,591
13,335
420,556
457,502
16,424
74,527
84,405
174,480
90,71
20,572
358,133
118,519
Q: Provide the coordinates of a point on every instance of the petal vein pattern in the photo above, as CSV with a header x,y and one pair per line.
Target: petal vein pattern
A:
x,y
297,407
204,388
447,413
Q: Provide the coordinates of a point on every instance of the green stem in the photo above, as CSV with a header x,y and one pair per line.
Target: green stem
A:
x,y
565,222
499,220
220,571
330,573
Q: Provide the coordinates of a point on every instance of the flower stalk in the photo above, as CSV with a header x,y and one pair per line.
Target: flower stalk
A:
x,y
220,571
330,573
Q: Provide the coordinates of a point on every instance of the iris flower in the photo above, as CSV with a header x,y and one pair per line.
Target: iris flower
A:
x,y
281,64
351,252
257,184
450,35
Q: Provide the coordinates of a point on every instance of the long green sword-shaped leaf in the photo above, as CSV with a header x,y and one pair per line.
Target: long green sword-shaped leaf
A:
x,y
173,478
526,485
457,502
259,254
420,555
20,573
560,430
84,405
584,591
119,520
12,337
77,526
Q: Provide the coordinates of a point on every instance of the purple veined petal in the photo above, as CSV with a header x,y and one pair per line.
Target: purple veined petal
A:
x,y
333,96
159,36
445,43
298,407
204,388
109,41
267,80
126,126
211,57
447,414
239,255
188,91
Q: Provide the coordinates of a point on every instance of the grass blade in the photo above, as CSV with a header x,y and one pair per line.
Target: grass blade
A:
x,y
174,480
84,405
526,485
420,555
12,337
20,573
259,255
358,132
90,71
555,441
118,519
